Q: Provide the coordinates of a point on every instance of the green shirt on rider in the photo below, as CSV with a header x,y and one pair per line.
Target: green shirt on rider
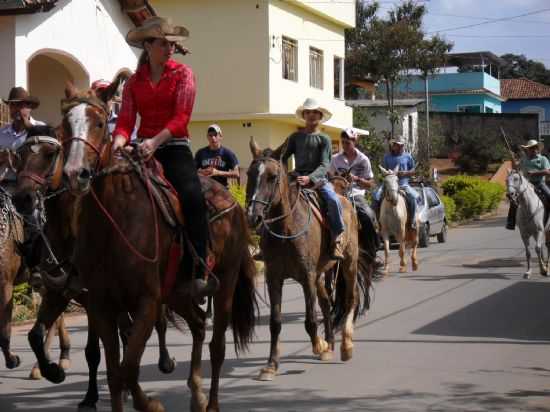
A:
x,y
312,153
538,163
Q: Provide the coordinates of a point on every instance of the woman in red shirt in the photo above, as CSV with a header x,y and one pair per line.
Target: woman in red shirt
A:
x,y
162,91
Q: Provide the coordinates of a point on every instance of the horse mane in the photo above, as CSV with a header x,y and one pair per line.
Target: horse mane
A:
x,y
42,130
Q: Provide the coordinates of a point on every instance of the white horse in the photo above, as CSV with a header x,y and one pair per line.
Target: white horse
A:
x,y
530,217
393,221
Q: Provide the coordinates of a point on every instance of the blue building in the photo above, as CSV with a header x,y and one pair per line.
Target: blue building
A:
x,y
527,96
476,91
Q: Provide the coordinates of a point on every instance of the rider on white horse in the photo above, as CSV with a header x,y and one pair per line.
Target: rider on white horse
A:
x,y
536,167
407,165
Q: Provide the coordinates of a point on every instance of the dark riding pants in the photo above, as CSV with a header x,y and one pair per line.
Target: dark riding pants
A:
x,y
179,169
368,237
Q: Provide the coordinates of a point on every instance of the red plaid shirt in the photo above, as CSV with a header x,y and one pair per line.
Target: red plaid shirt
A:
x,y
168,105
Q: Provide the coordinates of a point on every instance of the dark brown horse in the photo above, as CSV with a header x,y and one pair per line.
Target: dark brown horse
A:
x,y
296,245
11,232
122,252
40,164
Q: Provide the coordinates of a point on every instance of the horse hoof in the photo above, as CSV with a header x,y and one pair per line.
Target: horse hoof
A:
x,y
154,405
13,361
346,354
326,356
167,365
526,275
415,267
402,269
35,374
320,346
54,373
85,407
65,364
545,274
198,403
267,374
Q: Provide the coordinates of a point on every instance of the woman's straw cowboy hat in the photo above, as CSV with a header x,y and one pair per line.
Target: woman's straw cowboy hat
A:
x,y
311,104
531,143
156,28
20,95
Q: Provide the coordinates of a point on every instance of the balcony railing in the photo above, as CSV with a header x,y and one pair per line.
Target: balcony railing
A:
x,y
544,128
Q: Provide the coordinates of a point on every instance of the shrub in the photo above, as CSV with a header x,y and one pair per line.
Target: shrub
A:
x,y
472,196
450,207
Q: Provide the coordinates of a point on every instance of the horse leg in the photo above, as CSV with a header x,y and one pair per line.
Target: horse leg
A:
x,y
539,251
93,357
275,289
527,274
6,308
144,320
319,345
386,253
402,258
51,308
103,320
349,271
64,344
324,303
50,335
166,364
414,246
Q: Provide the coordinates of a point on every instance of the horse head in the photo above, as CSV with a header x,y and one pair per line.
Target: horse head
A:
x,y
7,162
85,133
263,191
341,180
39,168
391,184
516,184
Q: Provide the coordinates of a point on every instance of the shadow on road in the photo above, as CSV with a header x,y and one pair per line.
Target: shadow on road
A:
x,y
519,311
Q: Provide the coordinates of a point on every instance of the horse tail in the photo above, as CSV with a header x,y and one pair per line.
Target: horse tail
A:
x,y
245,306
363,284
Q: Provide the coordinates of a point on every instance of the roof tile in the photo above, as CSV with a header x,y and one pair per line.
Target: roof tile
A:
x,y
523,89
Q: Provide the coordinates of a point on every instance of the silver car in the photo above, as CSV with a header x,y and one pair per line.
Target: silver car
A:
x,y
431,211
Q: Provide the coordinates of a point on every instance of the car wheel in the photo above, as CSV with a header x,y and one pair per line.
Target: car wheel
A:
x,y
442,236
424,236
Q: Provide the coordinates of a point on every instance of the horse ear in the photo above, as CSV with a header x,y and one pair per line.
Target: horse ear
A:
x,y
384,171
254,148
70,89
109,92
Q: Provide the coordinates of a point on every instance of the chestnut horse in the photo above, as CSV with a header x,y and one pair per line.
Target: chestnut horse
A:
x,y
123,261
40,167
296,245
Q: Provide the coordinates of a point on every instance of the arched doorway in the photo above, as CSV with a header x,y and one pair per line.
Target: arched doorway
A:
x,y
48,71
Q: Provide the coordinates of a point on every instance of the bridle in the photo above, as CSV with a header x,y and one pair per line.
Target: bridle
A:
x,y
387,191
45,181
269,203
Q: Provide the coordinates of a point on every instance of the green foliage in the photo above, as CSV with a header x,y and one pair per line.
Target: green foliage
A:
x,y
450,207
239,193
22,294
478,152
472,196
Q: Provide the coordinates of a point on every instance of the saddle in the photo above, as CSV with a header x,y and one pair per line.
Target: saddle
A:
x,y
408,206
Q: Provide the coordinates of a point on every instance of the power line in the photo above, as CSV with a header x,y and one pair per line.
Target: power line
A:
x,y
490,21
503,36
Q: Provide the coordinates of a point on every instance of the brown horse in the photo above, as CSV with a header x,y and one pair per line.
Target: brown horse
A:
x,y
40,165
296,245
123,261
11,232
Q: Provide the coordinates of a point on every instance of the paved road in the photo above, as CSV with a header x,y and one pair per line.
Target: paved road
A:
x,y
464,333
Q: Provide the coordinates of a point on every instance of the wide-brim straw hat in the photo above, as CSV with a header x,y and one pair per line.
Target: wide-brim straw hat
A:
x,y
156,28
20,95
531,143
312,104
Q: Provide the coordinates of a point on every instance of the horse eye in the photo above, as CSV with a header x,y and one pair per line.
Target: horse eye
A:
x,y
100,125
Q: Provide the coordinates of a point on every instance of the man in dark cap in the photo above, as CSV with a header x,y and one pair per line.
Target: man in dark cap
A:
x,y
20,105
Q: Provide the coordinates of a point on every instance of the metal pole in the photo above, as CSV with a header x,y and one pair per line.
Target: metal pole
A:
x,y
428,143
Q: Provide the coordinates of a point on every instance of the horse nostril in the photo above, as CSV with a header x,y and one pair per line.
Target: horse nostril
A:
x,y
84,175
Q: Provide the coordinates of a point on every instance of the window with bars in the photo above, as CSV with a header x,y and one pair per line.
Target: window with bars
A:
x,y
290,59
315,68
338,77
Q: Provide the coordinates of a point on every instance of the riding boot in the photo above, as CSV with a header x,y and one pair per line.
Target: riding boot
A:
x,y
337,248
511,220
205,285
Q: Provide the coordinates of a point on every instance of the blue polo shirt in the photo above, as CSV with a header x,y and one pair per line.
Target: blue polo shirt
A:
x,y
405,162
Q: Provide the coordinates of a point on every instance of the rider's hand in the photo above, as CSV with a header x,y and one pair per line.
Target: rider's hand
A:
x,y
354,178
147,148
303,180
118,143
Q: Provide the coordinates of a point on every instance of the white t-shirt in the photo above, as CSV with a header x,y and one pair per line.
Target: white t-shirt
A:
x,y
360,167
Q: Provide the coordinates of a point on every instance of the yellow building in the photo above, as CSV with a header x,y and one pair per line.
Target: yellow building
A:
x,y
256,61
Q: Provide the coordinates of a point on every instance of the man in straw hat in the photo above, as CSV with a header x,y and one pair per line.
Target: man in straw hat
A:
x,y
20,105
163,91
536,167
407,165
312,151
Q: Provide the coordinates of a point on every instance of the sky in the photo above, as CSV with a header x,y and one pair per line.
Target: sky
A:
x,y
528,35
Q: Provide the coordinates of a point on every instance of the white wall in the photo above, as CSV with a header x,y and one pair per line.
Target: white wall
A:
x,y
7,53
89,31
309,30
340,11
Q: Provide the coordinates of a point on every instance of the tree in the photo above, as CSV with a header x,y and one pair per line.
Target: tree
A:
x,y
386,50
